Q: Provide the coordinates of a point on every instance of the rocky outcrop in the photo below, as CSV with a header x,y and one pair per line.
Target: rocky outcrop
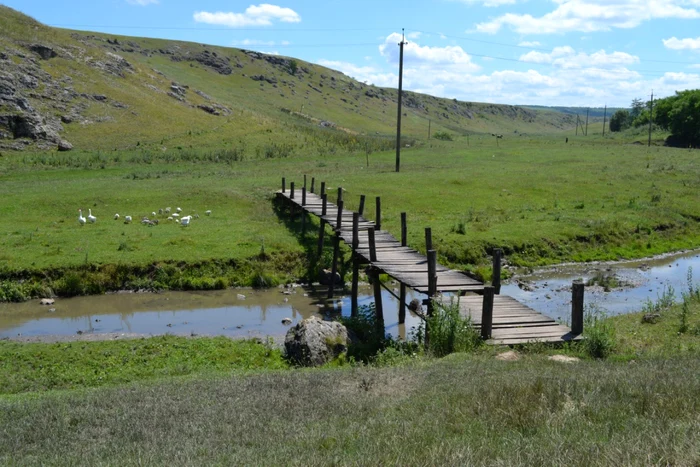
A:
x,y
313,342
213,61
43,51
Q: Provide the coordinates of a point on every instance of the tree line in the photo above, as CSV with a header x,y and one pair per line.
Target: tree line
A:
x,y
678,114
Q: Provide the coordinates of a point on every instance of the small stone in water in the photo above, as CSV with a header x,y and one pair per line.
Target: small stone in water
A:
x,y
240,296
287,321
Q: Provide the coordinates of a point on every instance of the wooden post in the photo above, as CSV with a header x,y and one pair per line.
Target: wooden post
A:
x,y
313,184
339,219
303,203
284,185
355,263
487,312
324,204
428,239
577,290
339,198
292,205
291,187
496,272
361,210
402,304
323,188
404,240
378,308
372,245
432,279
321,233
303,196
334,265
378,217
304,181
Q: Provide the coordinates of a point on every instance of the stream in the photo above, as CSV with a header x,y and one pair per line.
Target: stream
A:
x,y
240,313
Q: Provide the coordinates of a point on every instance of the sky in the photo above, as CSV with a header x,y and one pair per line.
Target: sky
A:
x,y
524,52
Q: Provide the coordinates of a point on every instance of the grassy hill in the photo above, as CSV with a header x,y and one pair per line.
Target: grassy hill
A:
x,y
106,92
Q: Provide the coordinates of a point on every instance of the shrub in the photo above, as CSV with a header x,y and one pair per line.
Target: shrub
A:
x,y
598,333
451,332
442,135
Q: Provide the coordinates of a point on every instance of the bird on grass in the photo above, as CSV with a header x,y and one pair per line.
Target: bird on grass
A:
x,y
127,219
185,221
90,217
116,217
208,212
81,219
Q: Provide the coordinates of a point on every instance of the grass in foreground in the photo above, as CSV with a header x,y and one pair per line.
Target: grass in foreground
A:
x,y
459,410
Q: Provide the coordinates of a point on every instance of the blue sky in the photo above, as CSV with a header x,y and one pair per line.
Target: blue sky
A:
x,y
544,52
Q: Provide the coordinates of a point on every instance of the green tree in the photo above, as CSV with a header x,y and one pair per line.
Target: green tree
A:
x,y
620,120
637,107
680,114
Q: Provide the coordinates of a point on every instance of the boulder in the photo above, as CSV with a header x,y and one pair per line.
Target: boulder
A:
x,y
64,145
415,305
313,342
325,277
43,51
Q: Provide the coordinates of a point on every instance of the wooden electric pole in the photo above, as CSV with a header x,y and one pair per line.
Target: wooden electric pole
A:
x,y
398,120
605,115
587,110
651,110
577,120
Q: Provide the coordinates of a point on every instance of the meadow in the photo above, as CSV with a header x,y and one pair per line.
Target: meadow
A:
x,y
588,199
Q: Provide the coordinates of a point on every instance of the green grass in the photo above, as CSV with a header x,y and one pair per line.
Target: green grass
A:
x,y
459,410
73,365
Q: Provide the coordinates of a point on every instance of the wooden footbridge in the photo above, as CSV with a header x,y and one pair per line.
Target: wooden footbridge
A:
x,y
500,319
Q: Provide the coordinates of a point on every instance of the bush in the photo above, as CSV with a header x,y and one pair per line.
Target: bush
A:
x,y
598,333
442,135
450,332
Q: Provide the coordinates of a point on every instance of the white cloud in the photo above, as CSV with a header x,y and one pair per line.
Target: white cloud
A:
x,y
593,15
362,73
567,57
489,3
142,2
682,44
255,15
414,35
529,44
252,42
417,56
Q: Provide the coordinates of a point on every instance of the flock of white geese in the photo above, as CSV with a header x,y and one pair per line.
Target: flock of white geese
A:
x,y
184,221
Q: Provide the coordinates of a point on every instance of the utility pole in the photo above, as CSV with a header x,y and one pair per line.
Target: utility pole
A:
x,y
587,110
651,110
577,119
398,120
605,115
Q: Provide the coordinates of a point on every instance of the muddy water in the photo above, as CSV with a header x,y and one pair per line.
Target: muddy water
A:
x,y
549,290
233,313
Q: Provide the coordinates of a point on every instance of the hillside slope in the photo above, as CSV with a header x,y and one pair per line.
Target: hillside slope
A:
x,y
98,91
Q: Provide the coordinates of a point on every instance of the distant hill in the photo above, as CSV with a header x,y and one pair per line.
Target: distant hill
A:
x,y
593,112
63,88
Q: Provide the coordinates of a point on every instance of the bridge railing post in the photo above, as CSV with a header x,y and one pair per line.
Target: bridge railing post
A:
x,y
577,291
428,239
355,263
323,188
487,312
404,230
496,271
284,185
361,210
378,215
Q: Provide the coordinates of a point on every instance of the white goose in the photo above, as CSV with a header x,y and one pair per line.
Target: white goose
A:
x,y
208,212
185,221
116,217
90,217
81,219
127,219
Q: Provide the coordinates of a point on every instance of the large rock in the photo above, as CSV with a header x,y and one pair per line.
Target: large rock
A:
x,y
326,277
313,342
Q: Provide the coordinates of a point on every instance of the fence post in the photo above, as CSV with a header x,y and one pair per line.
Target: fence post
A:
x,y
378,217
291,187
428,239
432,279
404,231
339,198
303,196
313,184
402,304
577,289
284,185
496,274
323,188
334,265
487,312
339,220
324,204
362,205
372,245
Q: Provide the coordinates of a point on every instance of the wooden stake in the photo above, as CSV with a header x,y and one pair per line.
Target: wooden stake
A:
x,y
324,204
339,219
428,239
402,304
378,217
334,265
362,205
303,196
291,187
313,184
404,232
323,188
372,245
284,185
496,271
487,313
339,198
378,308
577,290
432,279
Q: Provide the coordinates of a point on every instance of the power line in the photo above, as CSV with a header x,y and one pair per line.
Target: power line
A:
x,y
229,29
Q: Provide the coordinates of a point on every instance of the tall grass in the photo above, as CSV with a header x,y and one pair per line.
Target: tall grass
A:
x,y
448,331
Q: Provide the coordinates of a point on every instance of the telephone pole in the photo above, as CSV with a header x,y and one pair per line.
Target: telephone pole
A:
x,y
577,119
587,110
651,110
605,116
398,120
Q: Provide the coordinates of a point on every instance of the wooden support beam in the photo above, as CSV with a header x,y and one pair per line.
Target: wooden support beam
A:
x,y
313,184
404,231
428,239
496,272
355,263
339,198
334,266
402,304
323,189
487,312
432,279
378,214
304,181
291,187
303,196
362,205
321,233
378,306
372,245
339,219
324,205
284,185
577,290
